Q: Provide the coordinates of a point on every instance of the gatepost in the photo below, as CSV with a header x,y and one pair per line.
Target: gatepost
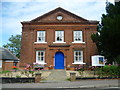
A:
x,y
72,76
37,77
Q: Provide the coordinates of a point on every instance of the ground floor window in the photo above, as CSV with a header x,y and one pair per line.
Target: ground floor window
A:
x,y
15,64
40,56
78,56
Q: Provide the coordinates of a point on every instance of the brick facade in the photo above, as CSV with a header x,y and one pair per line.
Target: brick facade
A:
x,y
50,24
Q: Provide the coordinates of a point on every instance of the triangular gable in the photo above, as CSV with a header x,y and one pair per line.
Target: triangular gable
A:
x,y
52,16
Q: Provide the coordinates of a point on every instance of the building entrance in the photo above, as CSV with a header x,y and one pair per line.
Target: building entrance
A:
x,y
59,60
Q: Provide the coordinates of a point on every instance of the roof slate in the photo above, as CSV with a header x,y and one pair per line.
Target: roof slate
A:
x,y
5,54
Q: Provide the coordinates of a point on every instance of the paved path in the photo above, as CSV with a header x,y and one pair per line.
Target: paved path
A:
x,y
56,75
66,84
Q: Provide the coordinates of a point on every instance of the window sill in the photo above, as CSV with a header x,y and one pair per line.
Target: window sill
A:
x,y
79,42
40,42
78,63
41,63
59,42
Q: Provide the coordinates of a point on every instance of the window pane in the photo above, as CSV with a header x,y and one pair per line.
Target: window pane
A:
x,y
79,39
76,53
79,53
58,38
79,58
76,58
42,58
39,58
38,53
39,38
41,53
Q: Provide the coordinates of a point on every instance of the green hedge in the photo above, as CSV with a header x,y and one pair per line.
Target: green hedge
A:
x,y
4,72
109,70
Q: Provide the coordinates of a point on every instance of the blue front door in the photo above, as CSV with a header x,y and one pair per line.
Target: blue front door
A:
x,y
59,60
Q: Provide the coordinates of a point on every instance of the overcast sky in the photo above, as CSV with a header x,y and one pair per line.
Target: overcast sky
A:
x,y
16,11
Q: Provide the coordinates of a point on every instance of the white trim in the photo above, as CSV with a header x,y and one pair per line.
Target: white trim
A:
x,y
78,42
41,63
64,61
0,63
11,61
8,61
54,61
59,42
40,42
78,63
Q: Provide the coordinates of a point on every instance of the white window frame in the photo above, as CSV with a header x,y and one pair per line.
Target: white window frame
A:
x,y
40,56
77,35
57,33
42,35
0,63
78,56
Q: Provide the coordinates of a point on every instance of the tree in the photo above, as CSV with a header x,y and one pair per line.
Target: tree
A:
x,y
108,39
15,45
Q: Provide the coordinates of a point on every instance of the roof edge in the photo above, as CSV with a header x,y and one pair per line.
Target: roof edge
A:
x,y
59,8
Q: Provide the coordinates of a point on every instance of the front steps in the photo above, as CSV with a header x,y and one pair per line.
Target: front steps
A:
x,y
57,75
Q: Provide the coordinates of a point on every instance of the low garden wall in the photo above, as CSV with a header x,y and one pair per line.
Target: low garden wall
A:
x,y
16,80
87,78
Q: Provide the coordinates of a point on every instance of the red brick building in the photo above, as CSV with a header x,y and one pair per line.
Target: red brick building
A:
x,y
58,39
7,60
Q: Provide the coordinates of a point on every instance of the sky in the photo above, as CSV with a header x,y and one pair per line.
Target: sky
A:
x,y
12,12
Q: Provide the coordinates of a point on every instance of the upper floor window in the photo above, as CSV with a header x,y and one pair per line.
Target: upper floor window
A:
x,y
77,36
59,36
40,36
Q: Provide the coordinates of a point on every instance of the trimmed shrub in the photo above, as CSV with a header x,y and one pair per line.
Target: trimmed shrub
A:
x,y
109,70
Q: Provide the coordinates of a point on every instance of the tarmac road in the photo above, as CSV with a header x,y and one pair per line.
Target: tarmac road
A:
x,y
66,85
113,88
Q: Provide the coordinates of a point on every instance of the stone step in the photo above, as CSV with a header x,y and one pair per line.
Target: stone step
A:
x,y
57,75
